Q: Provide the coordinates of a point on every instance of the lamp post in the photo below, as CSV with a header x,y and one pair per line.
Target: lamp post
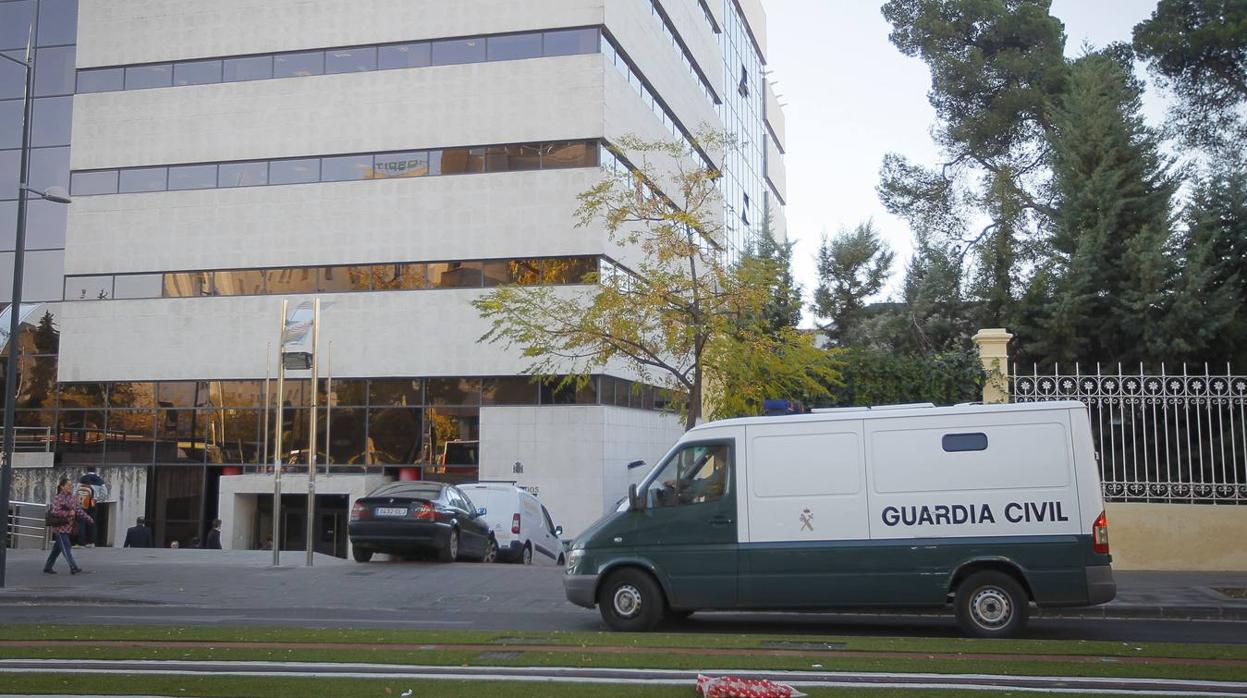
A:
x,y
54,194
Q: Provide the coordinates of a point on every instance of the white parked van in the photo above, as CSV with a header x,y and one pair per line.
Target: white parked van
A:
x,y
520,523
986,507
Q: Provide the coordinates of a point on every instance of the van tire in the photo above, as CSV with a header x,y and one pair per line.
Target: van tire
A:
x,y
361,554
991,604
631,601
526,555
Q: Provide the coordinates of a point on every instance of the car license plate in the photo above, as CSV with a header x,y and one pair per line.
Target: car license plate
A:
x,y
391,511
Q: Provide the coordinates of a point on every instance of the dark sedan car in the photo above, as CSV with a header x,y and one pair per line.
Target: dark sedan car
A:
x,y
418,516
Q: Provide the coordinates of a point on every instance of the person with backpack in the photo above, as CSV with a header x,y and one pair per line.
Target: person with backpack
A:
x,y
62,512
92,489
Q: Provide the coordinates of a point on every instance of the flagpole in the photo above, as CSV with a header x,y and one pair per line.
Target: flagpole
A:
x,y
281,411
328,405
311,452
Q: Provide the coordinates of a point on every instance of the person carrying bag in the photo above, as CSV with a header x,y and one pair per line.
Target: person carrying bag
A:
x,y
62,512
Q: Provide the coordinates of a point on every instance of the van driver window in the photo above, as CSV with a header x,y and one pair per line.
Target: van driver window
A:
x,y
694,475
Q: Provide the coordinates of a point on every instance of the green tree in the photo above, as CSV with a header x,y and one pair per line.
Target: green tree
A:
x,y
1198,48
679,315
852,266
783,308
935,314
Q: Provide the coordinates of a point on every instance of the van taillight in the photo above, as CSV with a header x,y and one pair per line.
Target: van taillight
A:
x,y
359,512
515,524
1099,534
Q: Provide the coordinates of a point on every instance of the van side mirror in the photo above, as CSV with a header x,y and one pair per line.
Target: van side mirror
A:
x,y
480,511
634,502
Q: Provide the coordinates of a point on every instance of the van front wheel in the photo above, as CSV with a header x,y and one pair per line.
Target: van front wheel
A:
x,y
991,604
631,601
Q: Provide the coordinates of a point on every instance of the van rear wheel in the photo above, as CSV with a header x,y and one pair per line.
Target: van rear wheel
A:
x,y
991,604
631,601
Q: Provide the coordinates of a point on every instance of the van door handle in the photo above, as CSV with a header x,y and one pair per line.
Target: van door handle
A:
x,y
721,521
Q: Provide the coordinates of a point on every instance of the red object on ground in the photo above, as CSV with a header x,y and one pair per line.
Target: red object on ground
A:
x,y
736,687
408,473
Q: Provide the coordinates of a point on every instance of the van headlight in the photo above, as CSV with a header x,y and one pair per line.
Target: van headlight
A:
x,y
574,558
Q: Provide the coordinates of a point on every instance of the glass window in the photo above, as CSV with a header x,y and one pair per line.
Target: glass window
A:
x,y
187,284
454,51
242,174
138,285
10,163
413,163
80,436
87,183
394,435
515,271
12,76
53,121
37,387
344,278
197,73
509,391
49,167
294,171
346,167
570,270
567,42
142,179
15,21
455,275
346,435
453,391
400,392
244,282
192,177
182,394
571,154
143,76
251,68
8,234
79,288
404,56
435,162
346,391
696,474
350,60
45,225
572,394
463,160
11,123
58,22
132,395
54,71
298,280
964,442
513,47
506,158
395,277
292,65
131,436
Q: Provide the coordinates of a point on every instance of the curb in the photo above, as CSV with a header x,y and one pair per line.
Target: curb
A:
x,y
1150,612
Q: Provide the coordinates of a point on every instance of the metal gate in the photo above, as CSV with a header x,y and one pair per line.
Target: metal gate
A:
x,y
1160,437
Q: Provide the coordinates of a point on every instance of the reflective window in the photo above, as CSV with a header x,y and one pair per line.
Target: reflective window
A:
x,y
58,22
508,158
138,285
300,280
567,42
11,123
350,60
187,284
242,174
197,73
141,179
344,168
509,391
192,177
453,391
396,392
395,277
80,437
343,439
552,393
239,283
141,394
253,68
102,182
8,231
101,80
182,394
570,270
54,71
571,154
513,47
404,56
131,436
49,167
462,160
37,386
414,163
344,278
12,77
79,288
145,76
53,121
292,65
394,435
456,51
294,171
10,164
15,21
346,391
455,275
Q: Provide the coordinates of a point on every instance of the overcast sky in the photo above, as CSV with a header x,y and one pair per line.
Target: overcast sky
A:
x,y
850,97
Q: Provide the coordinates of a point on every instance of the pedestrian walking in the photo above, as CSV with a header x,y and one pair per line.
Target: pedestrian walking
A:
x,y
138,536
214,536
62,513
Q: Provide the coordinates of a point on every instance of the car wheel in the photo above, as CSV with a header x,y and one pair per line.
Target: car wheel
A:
x,y
361,554
631,601
991,604
450,552
526,557
491,551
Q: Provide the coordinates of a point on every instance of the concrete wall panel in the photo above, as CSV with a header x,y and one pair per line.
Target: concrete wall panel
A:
x,y
1176,537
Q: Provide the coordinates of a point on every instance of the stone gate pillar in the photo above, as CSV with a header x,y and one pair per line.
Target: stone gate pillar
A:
x,y
993,345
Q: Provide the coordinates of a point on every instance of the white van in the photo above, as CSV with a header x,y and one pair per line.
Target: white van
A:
x,y
520,523
986,507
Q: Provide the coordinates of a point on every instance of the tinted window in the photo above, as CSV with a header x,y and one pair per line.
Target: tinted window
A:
x,y
571,154
243,174
393,277
142,179
54,71
455,275
404,56
506,158
12,77
256,68
11,124
568,42
462,160
86,183
45,224
197,73
554,394
15,20
509,391
457,51
49,167
187,284
101,80
58,22
144,76
351,60
10,163
964,442
137,285
298,280
299,64
395,433
410,164
239,283
453,391
513,47
344,278
8,224
192,177
348,167
88,287
294,171
53,121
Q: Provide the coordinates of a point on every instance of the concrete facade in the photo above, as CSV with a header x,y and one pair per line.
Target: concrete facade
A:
x,y
1177,537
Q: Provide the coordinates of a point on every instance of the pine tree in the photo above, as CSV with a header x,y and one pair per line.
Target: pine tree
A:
x,y
783,309
852,266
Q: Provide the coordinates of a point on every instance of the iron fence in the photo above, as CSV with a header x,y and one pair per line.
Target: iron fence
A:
x,y
1160,437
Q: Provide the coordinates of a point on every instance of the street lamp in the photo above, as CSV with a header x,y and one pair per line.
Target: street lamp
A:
x,y
54,194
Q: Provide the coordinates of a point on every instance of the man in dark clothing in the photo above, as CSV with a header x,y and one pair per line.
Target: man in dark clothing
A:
x,y
138,536
214,536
